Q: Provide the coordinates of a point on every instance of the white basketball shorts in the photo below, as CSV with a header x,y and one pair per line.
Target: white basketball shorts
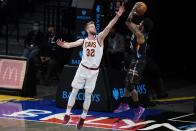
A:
x,y
85,78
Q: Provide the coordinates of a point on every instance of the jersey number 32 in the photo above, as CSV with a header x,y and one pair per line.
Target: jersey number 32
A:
x,y
90,52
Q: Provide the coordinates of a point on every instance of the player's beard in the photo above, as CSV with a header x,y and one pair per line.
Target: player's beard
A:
x,y
93,32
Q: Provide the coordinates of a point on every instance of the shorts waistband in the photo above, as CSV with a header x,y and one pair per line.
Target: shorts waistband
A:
x,y
89,67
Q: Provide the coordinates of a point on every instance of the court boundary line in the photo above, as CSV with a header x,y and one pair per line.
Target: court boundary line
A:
x,y
173,119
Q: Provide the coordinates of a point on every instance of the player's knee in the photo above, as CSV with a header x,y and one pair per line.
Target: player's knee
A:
x,y
131,87
74,92
136,79
131,82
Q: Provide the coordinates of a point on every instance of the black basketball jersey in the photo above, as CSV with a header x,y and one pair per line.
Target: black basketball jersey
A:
x,y
138,53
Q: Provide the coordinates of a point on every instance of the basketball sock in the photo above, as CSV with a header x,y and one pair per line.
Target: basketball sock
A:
x,y
84,114
71,101
68,111
86,104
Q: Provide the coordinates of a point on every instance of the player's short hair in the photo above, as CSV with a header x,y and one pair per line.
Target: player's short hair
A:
x,y
148,24
89,23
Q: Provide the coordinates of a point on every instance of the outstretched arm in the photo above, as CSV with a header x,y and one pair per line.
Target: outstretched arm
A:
x,y
65,44
133,27
104,33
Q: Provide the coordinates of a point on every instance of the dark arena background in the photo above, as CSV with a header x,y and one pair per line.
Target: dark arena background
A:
x,y
36,73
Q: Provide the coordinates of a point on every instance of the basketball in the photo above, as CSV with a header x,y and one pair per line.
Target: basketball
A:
x,y
141,8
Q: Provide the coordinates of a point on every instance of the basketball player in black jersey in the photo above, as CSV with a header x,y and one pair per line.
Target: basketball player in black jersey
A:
x,y
138,46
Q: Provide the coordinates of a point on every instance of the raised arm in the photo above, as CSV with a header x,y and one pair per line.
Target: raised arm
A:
x,y
104,33
65,44
133,27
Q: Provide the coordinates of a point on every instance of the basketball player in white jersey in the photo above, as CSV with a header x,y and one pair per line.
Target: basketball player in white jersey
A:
x,y
88,69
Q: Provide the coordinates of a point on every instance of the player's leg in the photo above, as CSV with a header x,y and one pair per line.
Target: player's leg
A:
x,y
86,105
129,83
77,84
134,79
71,101
137,109
70,104
124,105
89,88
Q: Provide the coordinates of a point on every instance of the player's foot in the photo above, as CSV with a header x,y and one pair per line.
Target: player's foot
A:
x,y
121,108
66,119
138,113
80,123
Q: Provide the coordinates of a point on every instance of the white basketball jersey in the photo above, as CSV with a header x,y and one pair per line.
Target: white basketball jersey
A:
x,y
92,53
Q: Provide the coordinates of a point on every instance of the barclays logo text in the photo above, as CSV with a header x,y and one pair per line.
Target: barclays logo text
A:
x,y
119,92
98,9
83,17
98,18
81,96
75,62
115,94
141,89
83,12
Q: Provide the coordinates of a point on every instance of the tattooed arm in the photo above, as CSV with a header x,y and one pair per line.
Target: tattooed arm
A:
x,y
133,27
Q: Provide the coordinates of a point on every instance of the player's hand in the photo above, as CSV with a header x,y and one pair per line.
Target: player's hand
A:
x,y
120,10
60,42
137,4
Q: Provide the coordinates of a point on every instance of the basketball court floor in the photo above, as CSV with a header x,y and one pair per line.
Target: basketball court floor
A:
x,y
42,114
